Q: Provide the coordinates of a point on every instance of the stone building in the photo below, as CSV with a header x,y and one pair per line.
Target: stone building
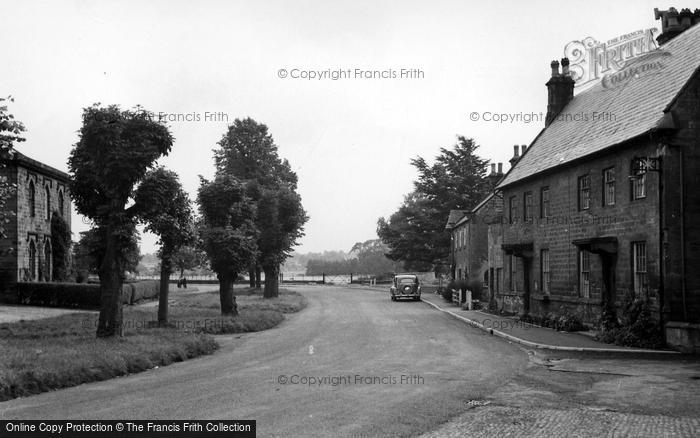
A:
x,y
470,243
603,202
25,252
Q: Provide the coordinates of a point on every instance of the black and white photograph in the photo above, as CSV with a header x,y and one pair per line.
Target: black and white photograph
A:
x,y
349,218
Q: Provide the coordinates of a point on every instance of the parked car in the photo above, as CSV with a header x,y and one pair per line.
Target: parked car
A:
x,y
405,286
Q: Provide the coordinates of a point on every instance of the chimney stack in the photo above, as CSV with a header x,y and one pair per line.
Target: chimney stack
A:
x,y
560,88
494,177
516,157
523,148
674,23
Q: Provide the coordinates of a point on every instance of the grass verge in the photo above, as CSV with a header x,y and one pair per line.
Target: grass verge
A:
x,y
62,351
201,312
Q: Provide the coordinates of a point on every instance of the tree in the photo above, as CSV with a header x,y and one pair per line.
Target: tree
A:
x,y
89,251
114,151
281,218
60,247
10,133
249,153
165,208
227,232
372,259
416,232
189,257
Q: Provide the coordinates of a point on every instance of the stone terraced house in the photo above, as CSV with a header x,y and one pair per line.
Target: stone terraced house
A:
x,y
604,201
26,253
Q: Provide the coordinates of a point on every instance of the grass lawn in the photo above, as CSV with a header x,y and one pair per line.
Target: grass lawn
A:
x,y
201,312
52,353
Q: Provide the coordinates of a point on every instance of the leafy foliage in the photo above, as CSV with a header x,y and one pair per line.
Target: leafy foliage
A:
x,y
228,233
189,257
416,233
115,150
635,326
166,209
370,259
88,252
248,153
60,245
10,133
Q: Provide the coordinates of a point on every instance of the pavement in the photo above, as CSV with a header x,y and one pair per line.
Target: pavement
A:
x,y
529,335
525,334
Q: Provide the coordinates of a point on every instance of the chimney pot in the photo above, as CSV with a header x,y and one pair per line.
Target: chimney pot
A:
x,y
555,68
523,148
565,66
515,151
500,168
493,168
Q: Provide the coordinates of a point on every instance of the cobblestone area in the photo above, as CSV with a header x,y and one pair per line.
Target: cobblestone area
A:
x,y
501,421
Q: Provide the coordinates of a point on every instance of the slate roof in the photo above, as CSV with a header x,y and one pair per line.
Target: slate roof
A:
x,y
637,105
454,217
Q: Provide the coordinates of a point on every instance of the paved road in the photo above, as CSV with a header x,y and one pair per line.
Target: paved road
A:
x,y
344,335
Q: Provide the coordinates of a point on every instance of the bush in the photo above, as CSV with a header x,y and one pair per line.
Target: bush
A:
x,y
78,295
476,287
447,291
634,328
144,290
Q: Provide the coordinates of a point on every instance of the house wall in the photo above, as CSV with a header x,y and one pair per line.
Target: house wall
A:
x,y
628,220
683,248
37,228
461,250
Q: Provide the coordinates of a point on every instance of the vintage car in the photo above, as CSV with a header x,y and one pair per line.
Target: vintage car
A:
x,y
405,286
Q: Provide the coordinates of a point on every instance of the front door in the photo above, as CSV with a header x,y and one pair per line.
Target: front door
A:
x,y
608,260
527,264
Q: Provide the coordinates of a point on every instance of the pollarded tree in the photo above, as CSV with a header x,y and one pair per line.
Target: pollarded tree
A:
x,y
115,150
281,218
248,152
227,232
166,210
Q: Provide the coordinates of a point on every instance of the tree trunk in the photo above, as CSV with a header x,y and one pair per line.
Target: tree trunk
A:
x,y
257,277
272,289
228,300
251,277
165,268
110,322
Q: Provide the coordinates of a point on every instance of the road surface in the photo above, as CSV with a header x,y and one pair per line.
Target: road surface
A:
x,y
353,363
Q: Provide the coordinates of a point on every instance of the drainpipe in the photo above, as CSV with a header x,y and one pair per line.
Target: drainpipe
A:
x,y
682,194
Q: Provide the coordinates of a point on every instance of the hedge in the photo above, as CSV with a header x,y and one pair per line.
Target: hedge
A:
x,y
80,295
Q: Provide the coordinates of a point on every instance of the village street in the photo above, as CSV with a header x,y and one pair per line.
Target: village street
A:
x,y
388,369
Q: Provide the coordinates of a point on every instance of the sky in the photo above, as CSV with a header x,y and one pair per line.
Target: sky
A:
x,y
350,140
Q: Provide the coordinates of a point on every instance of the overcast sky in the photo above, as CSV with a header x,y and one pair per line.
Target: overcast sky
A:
x,y
349,140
